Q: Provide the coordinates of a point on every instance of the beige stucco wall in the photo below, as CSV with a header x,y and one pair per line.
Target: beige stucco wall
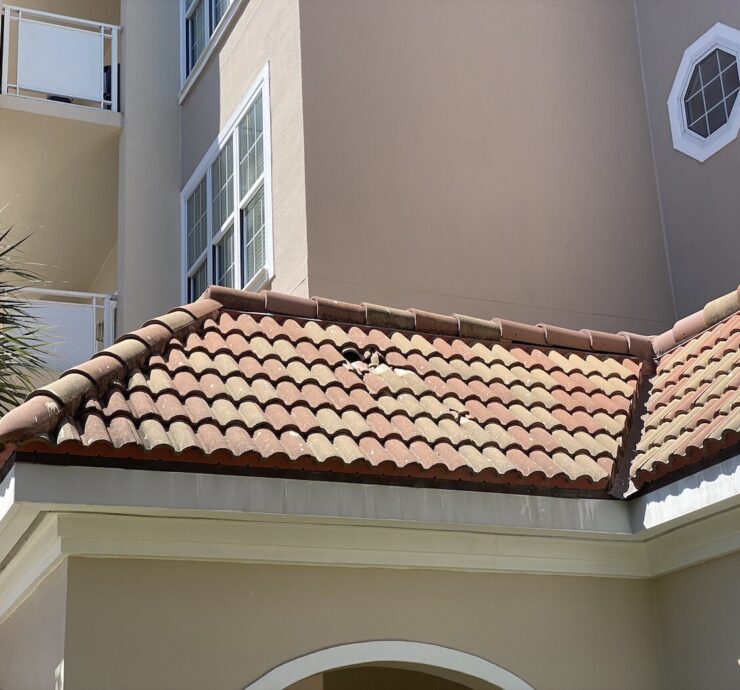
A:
x,y
701,206
58,185
483,157
264,32
159,624
699,613
32,638
108,11
148,252
105,281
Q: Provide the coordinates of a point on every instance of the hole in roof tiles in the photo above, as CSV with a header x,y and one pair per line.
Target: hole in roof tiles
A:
x,y
352,355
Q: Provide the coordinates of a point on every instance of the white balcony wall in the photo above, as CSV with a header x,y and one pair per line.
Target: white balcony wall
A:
x,y
50,56
75,325
59,60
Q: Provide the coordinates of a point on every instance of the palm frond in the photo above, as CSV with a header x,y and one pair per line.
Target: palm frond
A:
x,y
21,346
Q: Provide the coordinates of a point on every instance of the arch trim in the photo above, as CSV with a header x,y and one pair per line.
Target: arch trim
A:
x,y
388,651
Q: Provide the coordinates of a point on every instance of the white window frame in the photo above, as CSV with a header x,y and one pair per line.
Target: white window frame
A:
x,y
212,37
719,36
230,132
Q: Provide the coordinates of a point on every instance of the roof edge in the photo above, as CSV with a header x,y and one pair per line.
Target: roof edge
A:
x,y
454,325
44,406
690,326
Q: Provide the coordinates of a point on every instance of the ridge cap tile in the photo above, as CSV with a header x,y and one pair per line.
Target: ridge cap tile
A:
x,y
688,327
567,338
433,323
335,310
478,329
639,345
388,317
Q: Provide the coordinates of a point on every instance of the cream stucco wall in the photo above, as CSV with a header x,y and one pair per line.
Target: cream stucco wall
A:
x,y
489,158
159,624
32,638
699,613
148,251
263,33
701,206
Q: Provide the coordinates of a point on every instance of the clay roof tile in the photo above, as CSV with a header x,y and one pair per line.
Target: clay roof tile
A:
x,y
239,378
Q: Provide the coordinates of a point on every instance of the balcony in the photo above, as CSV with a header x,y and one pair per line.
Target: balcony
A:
x,y
76,324
59,65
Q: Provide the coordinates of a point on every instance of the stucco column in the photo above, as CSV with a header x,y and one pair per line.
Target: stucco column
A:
x,y
149,159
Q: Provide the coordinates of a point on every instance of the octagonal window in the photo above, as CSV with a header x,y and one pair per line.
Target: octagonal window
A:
x,y
703,104
712,91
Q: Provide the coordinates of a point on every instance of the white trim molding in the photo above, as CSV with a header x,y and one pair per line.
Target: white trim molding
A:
x,y
188,78
233,225
442,662
700,148
49,513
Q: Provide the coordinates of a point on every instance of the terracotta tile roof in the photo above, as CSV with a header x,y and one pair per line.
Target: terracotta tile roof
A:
x,y
693,411
270,383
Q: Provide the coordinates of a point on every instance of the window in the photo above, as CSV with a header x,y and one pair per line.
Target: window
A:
x,y
201,19
226,218
702,107
712,92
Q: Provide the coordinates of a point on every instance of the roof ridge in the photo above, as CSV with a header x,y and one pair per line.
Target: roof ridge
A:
x,y
43,407
694,324
455,325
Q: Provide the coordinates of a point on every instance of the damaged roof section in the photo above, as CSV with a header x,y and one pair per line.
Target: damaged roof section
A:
x,y
269,383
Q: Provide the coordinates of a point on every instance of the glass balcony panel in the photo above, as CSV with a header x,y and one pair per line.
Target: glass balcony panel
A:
x,y
75,325
58,58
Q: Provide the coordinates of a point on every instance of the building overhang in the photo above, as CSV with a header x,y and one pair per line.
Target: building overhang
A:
x,y
53,512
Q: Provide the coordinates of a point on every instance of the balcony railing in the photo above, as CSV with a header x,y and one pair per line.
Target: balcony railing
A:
x,y
75,325
58,58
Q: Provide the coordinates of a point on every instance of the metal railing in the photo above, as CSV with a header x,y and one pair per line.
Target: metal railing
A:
x,y
75,325
53,57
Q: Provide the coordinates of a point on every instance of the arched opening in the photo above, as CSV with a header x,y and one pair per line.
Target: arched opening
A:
x,y
387,663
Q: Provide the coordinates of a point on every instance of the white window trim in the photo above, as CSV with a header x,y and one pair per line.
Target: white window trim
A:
x,y
188,79
260,85
684,140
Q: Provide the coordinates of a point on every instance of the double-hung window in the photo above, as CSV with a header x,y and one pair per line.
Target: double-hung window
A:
x,y
201,19
226,205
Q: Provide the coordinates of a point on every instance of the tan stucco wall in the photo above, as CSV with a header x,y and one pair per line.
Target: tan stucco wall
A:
x,y
108,11
699,610
264,32
701,206
489,158
148,251
105,281
167,625
58,185
32,638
